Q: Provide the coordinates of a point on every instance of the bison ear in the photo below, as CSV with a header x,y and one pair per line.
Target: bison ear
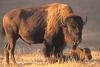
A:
x,y
87,50
84,22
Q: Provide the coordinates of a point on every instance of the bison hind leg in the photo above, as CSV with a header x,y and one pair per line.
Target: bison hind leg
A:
x,y
6,52
10,47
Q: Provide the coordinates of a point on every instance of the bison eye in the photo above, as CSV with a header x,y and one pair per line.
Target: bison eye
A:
x,y
73,27
71,30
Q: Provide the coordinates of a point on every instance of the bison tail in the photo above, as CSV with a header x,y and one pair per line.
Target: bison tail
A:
x,y
3,31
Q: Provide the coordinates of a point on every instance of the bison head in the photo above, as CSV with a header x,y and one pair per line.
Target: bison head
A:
x,y
72,29
87,52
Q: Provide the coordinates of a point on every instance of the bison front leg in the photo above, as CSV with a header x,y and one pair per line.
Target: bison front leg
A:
x,y
48,44
48,49
49,52
58,53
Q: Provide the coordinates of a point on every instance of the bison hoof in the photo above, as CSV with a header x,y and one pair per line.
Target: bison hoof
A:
x,y
62,59
15,65
51,60
6,65
54,59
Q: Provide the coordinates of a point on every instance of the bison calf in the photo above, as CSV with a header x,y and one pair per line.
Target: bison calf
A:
x,y
79,54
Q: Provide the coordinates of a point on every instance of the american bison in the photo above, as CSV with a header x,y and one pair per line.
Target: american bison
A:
x,y
54,25
79,54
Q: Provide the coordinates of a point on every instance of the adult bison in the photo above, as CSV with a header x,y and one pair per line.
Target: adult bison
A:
x,y
54,25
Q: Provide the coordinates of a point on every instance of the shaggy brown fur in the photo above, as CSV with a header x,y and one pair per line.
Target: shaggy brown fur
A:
x,y
79,54
57,13
50,24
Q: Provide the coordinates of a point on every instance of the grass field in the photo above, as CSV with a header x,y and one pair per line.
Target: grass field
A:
x,y
37,60
28,57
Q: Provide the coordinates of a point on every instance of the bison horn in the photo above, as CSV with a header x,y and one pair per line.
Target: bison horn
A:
x,y
85,20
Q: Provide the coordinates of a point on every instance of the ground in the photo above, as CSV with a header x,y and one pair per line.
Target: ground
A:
x,y
36,59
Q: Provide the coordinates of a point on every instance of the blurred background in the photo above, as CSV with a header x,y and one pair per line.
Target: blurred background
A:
x,y
89,8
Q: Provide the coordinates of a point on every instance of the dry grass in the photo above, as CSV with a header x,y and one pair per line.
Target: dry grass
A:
x,y
37,60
